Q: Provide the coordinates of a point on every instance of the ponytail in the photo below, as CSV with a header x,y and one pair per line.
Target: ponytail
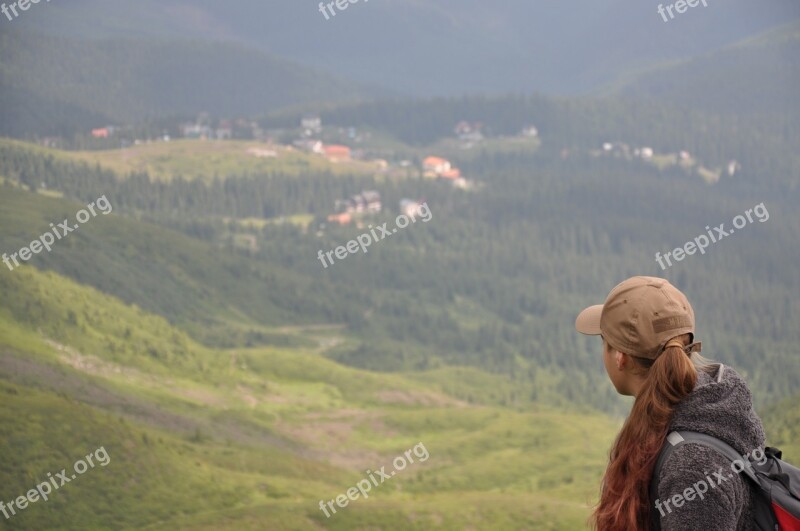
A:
x,y
624,501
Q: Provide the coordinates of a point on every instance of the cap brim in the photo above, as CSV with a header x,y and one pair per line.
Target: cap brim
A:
x,y
588,321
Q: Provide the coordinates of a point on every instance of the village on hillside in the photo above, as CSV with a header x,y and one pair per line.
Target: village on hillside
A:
x,y
351,147
341,146
337,145
682,159
347,145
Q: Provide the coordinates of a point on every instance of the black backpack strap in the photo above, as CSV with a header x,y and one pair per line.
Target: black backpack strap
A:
x,y
676,439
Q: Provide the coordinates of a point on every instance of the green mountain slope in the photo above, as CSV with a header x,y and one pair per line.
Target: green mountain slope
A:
x,y
782,423
254,438
159,270
491,283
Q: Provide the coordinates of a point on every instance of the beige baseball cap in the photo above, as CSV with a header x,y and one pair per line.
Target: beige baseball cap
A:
x,y
640,316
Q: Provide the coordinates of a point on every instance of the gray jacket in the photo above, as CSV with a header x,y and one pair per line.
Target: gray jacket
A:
x,y
720,406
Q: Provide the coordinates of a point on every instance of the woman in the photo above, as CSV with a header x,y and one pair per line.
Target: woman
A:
x,y
647,326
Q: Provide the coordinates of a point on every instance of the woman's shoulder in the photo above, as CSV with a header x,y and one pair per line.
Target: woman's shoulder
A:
x,y
720,406
698,488
696,458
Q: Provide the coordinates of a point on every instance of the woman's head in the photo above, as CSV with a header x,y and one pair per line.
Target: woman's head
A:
x,y
629,373
639,316
647,327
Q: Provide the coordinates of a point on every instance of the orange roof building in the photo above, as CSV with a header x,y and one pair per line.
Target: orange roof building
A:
x,y
452,173
337,153
436,164
342,219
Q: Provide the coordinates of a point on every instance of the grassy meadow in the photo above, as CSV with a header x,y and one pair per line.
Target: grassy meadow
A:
x,y
254,438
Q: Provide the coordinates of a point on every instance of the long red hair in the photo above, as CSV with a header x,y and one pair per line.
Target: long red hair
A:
x,y
624,500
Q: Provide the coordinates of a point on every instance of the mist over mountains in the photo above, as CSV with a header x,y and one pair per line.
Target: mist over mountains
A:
x,y
129,81
65,71
438,47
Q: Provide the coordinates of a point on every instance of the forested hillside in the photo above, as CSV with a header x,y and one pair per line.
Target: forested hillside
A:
x,y
491,282
762,143
255,432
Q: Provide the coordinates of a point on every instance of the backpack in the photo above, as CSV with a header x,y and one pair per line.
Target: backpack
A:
x,y
777,505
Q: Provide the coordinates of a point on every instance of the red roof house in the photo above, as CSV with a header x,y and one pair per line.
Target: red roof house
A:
x,y
337,153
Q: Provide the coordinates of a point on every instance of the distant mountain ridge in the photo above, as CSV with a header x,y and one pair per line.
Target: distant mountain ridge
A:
x,y
52,85
757,75
439,47
56,85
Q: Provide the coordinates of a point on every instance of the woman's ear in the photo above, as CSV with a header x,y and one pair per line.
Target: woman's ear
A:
x,y
621,360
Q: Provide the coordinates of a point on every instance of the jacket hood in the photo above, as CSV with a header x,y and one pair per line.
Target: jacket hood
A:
x,y
721,406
